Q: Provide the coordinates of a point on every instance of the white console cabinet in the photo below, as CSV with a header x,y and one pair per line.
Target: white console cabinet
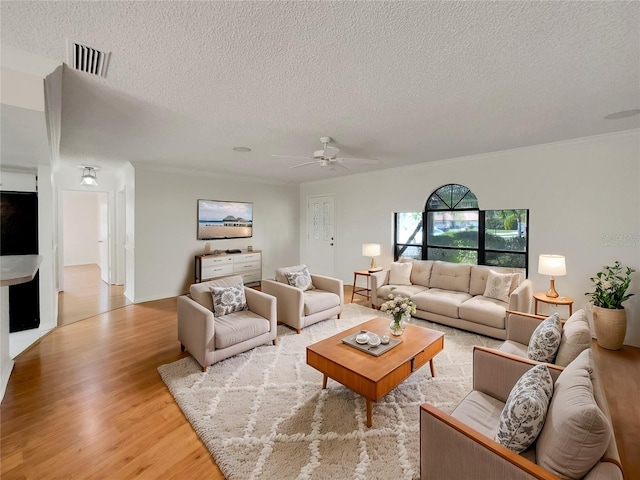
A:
x,y
248,264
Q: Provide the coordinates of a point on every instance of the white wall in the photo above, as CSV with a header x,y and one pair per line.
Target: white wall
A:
x,y
583,198
47,249
166,222
80,227
127,176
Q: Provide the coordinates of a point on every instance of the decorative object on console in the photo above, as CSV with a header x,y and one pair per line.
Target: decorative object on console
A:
x,y
89,176
401,309
371,250
609,316
554,266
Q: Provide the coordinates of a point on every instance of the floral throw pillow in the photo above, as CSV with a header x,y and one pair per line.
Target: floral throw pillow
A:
x,y
300,279
228,300
523,415
498,286
545,340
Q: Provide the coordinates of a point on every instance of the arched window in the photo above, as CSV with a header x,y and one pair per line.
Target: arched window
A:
x,y
452,219
453,228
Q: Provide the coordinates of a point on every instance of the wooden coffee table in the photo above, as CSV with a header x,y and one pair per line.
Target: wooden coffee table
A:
x,y
370,376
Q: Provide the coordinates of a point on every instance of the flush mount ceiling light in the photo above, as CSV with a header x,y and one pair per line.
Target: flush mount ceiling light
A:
x,y
89,176
623,114
241,149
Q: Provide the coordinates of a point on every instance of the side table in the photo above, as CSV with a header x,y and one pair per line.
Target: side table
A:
x,y
562,300
359,291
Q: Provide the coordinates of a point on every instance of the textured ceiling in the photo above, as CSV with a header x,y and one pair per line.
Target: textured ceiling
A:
x,y
400,82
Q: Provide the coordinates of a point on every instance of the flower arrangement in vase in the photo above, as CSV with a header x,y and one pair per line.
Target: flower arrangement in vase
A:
x,y
609,316
401,308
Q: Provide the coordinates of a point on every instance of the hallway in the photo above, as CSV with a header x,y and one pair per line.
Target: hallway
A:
x,y
86,295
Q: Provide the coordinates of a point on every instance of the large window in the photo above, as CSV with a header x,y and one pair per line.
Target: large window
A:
x,y
452,225
458,231
408,235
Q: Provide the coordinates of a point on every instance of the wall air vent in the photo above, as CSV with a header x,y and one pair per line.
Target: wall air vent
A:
x,y
87,59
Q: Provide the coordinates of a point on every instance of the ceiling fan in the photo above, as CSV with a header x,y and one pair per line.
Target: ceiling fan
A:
x,y
328,157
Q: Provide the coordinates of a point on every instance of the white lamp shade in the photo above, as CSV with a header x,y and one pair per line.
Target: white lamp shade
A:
x,y
553,265
370,249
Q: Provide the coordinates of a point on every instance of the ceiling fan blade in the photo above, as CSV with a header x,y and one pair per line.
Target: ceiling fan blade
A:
x,y
288,156
330,152
363,161
303,164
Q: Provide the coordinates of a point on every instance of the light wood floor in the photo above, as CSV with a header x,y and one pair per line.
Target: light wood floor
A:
x,y
86,295
87,402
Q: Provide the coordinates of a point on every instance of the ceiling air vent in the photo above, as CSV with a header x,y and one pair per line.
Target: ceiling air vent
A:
x,y
87,59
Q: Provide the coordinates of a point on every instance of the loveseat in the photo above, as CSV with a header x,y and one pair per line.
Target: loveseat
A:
x,y
456,294
575,440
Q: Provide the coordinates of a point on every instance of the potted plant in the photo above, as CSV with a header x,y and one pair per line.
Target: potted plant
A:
x,y
609,316
401,308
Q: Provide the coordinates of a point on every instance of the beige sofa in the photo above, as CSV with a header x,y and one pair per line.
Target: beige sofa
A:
x,y
453,294
576,440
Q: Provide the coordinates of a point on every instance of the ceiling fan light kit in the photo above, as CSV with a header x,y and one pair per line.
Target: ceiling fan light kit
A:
x,y
327,157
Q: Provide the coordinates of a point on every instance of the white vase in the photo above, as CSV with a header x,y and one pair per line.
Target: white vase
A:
x,y
397,327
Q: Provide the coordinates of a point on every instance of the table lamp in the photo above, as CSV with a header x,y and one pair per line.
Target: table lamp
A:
x,y
371,250
553,265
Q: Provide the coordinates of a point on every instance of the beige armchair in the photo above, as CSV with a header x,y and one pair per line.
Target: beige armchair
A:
x,y
300,308
210,338
576,335
576,440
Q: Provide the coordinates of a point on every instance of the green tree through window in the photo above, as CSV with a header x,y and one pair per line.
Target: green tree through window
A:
x,y
458,231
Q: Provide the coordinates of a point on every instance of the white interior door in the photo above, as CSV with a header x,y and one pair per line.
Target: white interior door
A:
x,y
103,237
321,235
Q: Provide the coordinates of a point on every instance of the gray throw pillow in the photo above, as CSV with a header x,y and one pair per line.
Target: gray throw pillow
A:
x,y
301,279
545,340
228,300
523,415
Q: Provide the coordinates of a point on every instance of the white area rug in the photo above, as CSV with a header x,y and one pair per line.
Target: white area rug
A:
x,y
263,414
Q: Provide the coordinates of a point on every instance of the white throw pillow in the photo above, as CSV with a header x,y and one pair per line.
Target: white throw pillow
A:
x,y
301,279
545,340
498,286
400,273
228,300
523,415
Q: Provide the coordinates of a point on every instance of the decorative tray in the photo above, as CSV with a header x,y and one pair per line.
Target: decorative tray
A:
x,y
376,350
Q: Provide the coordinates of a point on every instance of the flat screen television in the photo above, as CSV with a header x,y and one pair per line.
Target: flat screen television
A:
x,y
219,219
